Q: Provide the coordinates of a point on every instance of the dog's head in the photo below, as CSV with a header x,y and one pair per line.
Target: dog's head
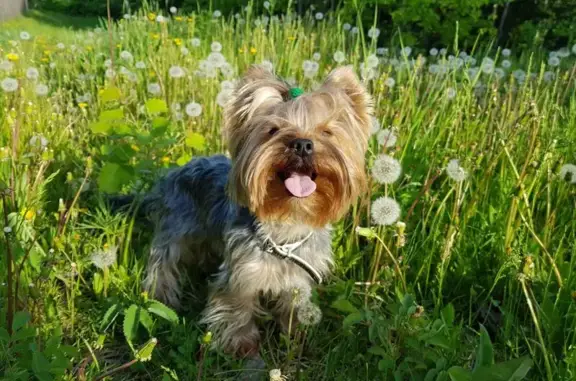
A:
x,y
297,160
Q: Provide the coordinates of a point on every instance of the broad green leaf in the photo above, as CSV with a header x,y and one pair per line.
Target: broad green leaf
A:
x,y
41,366
100,128
145,353
485,351
386,364
448,315
36,258
378,351
160,122
110,315
113,176
439,340
457,373
146,320
512,370
122,129
431,375
156,106
112,115
110,94
21,318
4,336
163,311
344,305
23,334
352,319
195,140
131,322
182,160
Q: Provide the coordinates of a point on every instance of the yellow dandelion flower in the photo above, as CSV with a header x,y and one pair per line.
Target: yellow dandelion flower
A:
x,y
89,48
119,46
45,59
156,36
291,38
47,52
178,41
82,105
13,57
253,50
151,74
178,18
29,215
152,16
165,160
190,19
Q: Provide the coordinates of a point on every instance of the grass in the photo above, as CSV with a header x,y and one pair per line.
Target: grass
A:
x,y
46,23
479,284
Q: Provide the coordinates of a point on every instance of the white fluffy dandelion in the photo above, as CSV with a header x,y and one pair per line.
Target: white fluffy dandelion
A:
x,y
216,46
223,97
160,19
568,172
455,171
38,141
216,14
126,56
184,50
266,4
346,26
41,90
140,65
276,375
7,229
32,73
554,61
195,42
316,56
387,138
268,65
372,61
60,46
506,64
386,169
309,314
104,258
354,30
339,57
375,126
433,52
450,93
385,211
176,72
319,16
6,65
24,36
227,85
9,85
154,88
173,10
390,82
549,76
373,32
193,109
506,52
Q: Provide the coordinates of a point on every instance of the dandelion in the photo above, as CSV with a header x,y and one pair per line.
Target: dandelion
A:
x,y
110,73
266,5
276,375
108,63
7,229
41,90
309,314
506,64
568,170
487,67
216,14
499,73
455,171
386,169
443,51
450,93
216,59
193,109
126,56
195,42
32,73
319,16
60,46
372,61
373,32
549,76
6,65
140,65
382,51
354,30
216,46
267,65
38,141
104,258
387,138
433,52
9,84
375,126
223,98
564,52
173,10
126,16
227,70
176,72
390,82
347,27
519,74
554,61
506,52
406,51
385,211
301,295
154,88
160,19
339,57
24,36
316,56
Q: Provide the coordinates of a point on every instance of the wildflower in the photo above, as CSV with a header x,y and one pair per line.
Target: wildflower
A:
x,y
387,138
506,52
140,65
487,67
319,16
179,18
108,63
12,57
568,170
6,65
406,51
207,338
252,50
373,32
347,27
32,73
216,59
227,85
193,109
126,16
216,14
549,76
227,70
126,56
520,75
564,52
176,72
223,98
301,295
316,56
354,30
7,229
216,46
29,214
41,89
268,65
375,126
154,88
104,258
24,36
499,73
82,105
9,84
173,10
151,16
60,46
385,211
390,82
455,171
110,73
276,375
266,5
372,61
554,61
506,64
450,93
339,57
160,19
443,51
309,314
382,51
386,169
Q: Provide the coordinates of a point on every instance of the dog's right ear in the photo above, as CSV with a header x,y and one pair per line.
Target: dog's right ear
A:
x,y
257,91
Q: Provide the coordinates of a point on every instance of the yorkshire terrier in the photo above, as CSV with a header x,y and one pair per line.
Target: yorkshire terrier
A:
x,y
260,221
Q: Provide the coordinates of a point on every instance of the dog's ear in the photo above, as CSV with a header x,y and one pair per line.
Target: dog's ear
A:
x,y
257,91
344,80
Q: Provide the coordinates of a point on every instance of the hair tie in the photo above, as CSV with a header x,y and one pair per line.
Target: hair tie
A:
x,y
295,92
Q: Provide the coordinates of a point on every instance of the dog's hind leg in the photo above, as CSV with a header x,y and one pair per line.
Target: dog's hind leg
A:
x,y
163,280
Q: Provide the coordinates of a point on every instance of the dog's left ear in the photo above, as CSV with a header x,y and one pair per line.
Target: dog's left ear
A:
x,y
346,81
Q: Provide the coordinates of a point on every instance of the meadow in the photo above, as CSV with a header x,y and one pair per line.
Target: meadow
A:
x,y
458,264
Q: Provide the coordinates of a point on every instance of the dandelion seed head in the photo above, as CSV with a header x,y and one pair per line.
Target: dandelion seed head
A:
x,y
6,65
390,82
387,138
433,52
319,16
7,229
173,10
140,65
554,61
154,88
506,64
568,172
24,36
41,89
506,52
455,171
373,32
450,93
9,84
223,98
103,259
316,56
216,46
386,169
347,27
60,46
267,65
176,72
549,76
126,56
354,30
385,211
339,57
309,314
193,109
372,61
266,5
160,19
32,73
195,42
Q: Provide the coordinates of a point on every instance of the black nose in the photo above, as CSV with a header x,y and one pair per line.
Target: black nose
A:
x,y
302,147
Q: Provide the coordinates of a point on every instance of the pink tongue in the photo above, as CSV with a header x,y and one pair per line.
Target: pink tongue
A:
x,y
300,185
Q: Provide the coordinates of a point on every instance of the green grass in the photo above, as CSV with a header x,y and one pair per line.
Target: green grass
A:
x,y
482,278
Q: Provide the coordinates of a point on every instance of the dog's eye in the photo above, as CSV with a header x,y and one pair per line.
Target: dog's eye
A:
x,y
326,133
273,131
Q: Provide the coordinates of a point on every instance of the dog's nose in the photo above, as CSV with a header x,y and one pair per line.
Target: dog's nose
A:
x,y
302,147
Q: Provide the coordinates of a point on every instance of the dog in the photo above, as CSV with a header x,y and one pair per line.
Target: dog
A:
x,y
259,221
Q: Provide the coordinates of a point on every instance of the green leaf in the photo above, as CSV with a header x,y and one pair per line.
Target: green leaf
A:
x,y
97,284
386,364
100,128
21,318
41,366
182,160
112,115
163,311
156,106
431,375
146,320
485,351
352,319
366,232
439,340
131,322
110,94
448,315
378,351
122,129
512,370
344,305
145,353
159,126
4,336
457,373
110,315
113,176
195,140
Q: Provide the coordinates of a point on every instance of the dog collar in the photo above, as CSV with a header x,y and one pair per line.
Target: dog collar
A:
x,y
286,251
